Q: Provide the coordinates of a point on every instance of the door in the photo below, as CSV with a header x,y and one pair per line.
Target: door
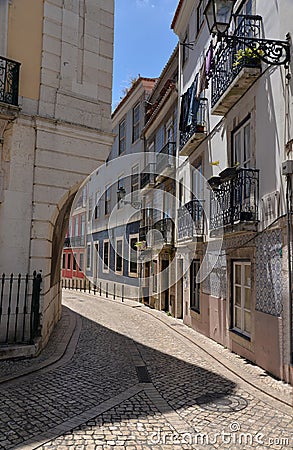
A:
x,y
165,286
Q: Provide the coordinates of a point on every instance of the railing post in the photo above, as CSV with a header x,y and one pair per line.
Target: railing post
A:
x,y
35,307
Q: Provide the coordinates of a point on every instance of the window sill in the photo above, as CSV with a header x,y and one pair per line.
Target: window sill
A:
x,y
196,310
238,333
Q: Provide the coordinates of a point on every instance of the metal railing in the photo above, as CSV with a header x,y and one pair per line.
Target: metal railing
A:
x,y
19,308
199,124
166,228
226,65
147,176
235,200
191,220
77,241
9,81
143,231
166,157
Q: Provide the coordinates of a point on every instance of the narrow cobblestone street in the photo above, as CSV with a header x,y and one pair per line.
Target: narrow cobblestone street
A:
x,y
132,378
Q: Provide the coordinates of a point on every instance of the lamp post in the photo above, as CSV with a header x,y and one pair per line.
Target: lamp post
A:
x,y
219,14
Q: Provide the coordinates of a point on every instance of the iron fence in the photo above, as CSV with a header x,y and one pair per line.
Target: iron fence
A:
x,y
190,219
235,200
166,157
9,81
198,125
20,308
226,64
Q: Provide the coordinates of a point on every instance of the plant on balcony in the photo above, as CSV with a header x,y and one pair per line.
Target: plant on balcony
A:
x,y
248,56
230,172
214,182
140,245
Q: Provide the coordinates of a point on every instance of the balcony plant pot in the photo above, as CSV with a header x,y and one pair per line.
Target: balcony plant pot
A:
x,y
200,128
214,182
246,216
248,57
229,173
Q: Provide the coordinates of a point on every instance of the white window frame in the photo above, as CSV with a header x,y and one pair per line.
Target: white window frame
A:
x,y
240,132
241,307
106,270
135,122
132,236
119,239
122,137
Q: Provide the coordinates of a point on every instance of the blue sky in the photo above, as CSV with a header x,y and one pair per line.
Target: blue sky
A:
x,y
143,40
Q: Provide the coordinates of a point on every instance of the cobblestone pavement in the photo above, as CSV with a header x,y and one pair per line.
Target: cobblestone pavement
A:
x,y
134,383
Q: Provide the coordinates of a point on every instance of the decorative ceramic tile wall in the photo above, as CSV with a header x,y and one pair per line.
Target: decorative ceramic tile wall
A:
x,y
269,273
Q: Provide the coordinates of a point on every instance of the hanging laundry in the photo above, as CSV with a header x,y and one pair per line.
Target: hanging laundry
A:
x,y
209,60
193,104
202,80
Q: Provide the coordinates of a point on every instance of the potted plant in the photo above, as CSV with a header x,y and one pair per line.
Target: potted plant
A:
x,y
229,173
214,182
248,56
140,245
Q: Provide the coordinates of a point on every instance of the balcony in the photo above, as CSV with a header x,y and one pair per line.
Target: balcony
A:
x,y
196,132
165,227
147,177
234,203
77,241
166,160
191,221
235,68
9,81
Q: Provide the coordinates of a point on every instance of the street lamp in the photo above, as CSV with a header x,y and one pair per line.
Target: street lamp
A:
x,y
219,14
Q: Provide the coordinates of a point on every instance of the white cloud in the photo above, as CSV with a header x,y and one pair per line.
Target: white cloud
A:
x,y
141,3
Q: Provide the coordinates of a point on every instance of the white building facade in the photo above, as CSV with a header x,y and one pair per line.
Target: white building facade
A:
x,y
234,254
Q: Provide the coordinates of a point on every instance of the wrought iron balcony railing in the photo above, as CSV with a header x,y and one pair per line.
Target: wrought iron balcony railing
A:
x,y
166,157
190,220
232,57
9,81
166,231
147,176
77,241
198,126
235,200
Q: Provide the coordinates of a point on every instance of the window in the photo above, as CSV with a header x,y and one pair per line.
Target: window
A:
x,y
200,14
88,256
135,123
119,186
63,260
180,192
134,183
97,206
241,291
194,286
107,200
133,254
81,261
197,182
74,262
241,152
106,256
155,274
76,225
82,227
122,140
69,261
119,256
90,209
